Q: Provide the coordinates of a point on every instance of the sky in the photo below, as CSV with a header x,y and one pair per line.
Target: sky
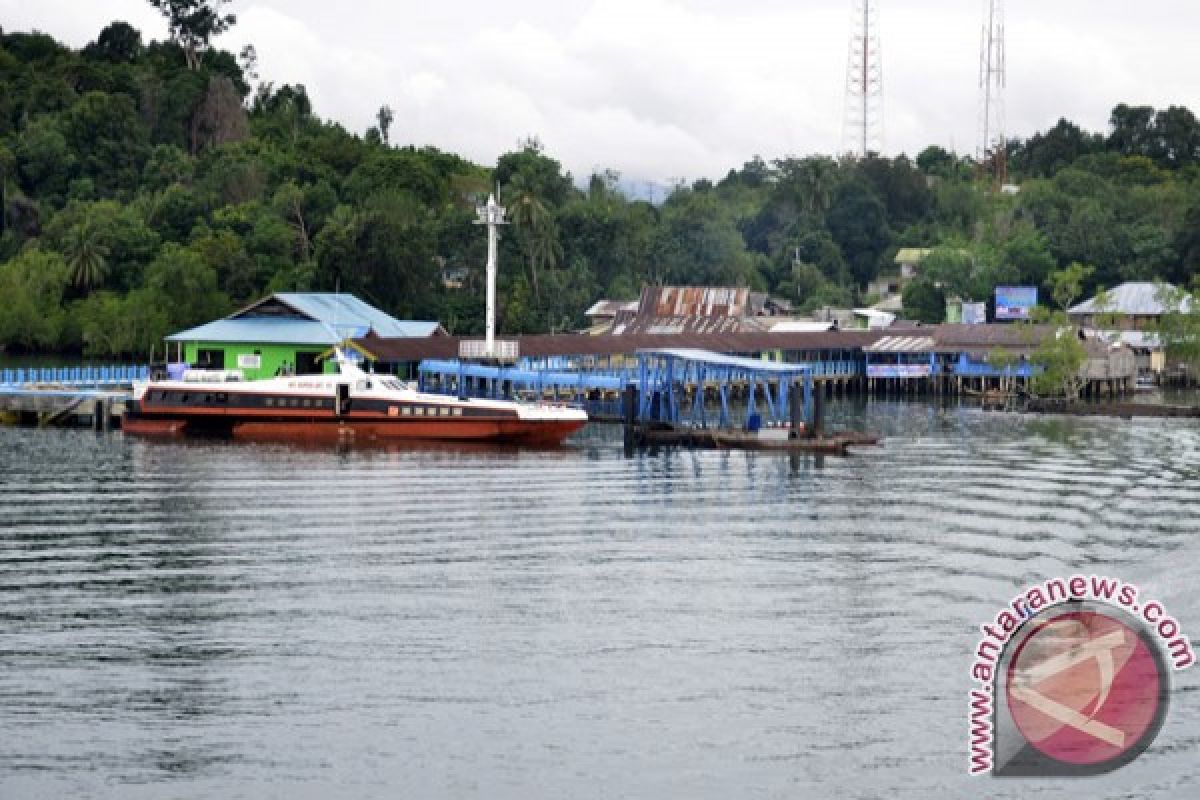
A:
x,y
666,91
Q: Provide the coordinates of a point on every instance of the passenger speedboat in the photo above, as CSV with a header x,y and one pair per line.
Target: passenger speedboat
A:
x,y
351,404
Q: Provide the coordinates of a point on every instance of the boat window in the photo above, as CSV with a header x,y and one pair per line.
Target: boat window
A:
x,y
445,411
457,412
269,401
408,411
419,411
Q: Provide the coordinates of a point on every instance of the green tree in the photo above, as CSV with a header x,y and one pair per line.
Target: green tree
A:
x,y
119,42
44,162
224,252
1066,285
697,243
858,222
193,24
1061,356
33,285
385,115
110,138
166,165
1179,326
925,301
186,286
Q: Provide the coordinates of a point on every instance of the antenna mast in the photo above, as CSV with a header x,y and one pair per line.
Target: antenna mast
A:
x,y
993,152
862,129
491,215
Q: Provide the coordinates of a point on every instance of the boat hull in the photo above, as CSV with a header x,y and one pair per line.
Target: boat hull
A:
x,y
511,430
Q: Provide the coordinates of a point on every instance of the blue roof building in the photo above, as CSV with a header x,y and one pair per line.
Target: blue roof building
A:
x,y
287,332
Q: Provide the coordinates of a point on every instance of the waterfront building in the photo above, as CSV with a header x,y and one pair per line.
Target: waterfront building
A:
x,y
288,332
889,286
1130,314
1134,306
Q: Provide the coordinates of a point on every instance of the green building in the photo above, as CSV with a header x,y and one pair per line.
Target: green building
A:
x,y
288,332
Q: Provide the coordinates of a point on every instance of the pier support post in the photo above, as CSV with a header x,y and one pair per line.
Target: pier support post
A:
x,y
797,409
630,413
817,428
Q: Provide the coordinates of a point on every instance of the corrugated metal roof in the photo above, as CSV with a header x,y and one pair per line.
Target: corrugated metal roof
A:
x,y
305,318
902,344
1135,298
346,309
688,325
264,330
610,308
1017,336
695,301
801,326
911,255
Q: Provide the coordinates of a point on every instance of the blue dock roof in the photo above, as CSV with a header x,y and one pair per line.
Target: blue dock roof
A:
x,y
710,358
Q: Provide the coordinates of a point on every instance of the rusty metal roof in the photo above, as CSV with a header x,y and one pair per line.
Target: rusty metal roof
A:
x,y
696,301
687,325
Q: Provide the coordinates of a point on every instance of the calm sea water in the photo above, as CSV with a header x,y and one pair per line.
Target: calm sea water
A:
x,y
215,620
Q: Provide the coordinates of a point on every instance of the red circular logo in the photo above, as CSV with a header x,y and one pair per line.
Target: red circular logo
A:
x,y
1085,688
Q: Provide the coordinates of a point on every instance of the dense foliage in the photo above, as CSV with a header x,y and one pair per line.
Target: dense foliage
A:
x,y
146,187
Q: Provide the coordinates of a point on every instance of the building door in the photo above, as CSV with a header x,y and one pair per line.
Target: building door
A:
x,y
210,359
307,364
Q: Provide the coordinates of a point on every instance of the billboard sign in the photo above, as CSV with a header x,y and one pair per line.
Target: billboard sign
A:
x,y
898,370
1015,302
974,313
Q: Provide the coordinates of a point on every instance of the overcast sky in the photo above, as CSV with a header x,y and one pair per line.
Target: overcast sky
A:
x,y
663,90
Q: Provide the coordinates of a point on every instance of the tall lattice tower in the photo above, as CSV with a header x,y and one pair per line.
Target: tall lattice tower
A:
x,y
862,129
992,153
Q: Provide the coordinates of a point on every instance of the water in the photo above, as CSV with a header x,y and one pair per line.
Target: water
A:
x,y
196,620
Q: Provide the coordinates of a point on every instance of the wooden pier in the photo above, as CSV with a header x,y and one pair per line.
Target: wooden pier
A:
x,y
98,409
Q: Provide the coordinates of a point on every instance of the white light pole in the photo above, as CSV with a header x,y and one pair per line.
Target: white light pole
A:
x,y
491,215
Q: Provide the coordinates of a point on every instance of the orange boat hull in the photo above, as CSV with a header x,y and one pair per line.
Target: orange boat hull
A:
x,y
516,431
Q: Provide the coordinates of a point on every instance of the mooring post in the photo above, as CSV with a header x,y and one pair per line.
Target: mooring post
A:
x,y
98,415
797,409
818,420
631,417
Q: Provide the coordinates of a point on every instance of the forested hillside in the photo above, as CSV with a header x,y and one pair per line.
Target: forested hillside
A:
x,y
149,186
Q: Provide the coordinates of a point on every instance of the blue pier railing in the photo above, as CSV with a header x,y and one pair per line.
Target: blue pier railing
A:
x,y
89,376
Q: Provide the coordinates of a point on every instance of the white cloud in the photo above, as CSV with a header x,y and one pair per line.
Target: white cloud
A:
x,y
663,89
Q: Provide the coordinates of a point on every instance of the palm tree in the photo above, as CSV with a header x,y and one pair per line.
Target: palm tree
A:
x,y
545,250
86,253
816,177
531,218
